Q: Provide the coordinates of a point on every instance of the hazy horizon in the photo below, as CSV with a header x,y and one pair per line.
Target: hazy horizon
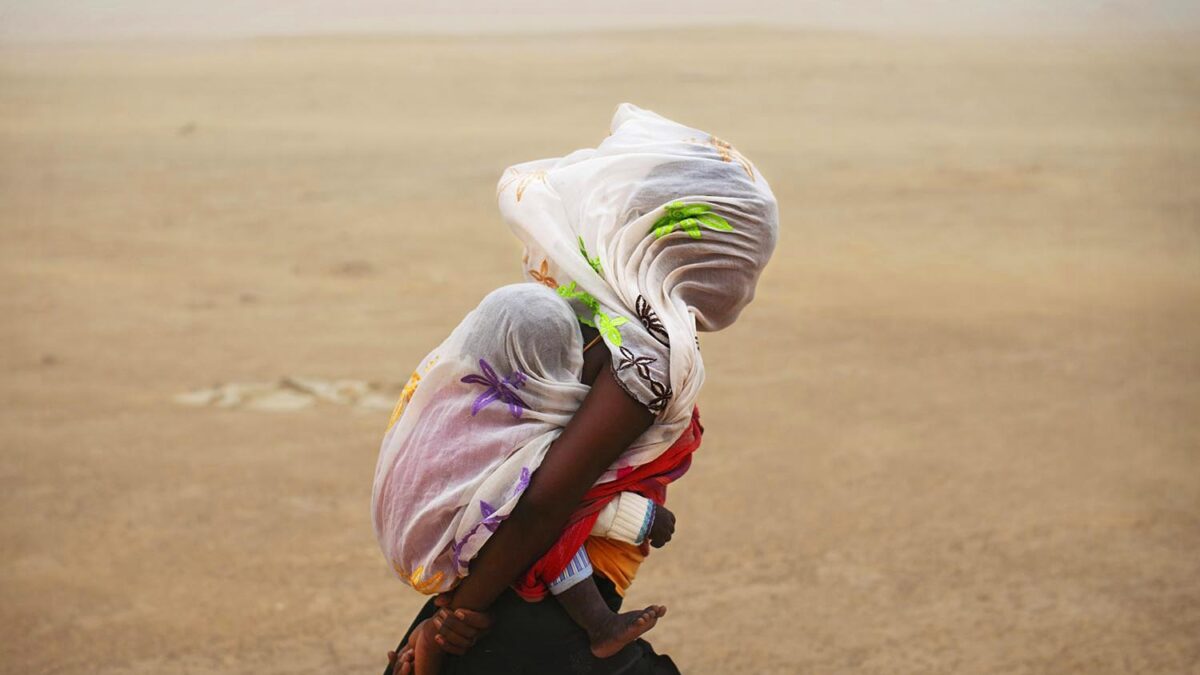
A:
x,y
64,20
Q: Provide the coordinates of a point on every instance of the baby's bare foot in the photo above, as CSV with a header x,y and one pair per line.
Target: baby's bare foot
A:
x,y
623,629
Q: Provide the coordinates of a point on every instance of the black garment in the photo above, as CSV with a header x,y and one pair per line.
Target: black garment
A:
x,y
539,638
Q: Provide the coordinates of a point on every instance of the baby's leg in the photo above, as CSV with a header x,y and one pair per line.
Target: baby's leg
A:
x,y
609,632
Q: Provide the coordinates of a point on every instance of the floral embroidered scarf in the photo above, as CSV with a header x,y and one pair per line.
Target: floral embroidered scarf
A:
x,y
658,232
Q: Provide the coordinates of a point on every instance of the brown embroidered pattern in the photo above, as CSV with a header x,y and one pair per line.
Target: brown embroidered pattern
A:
x,y
662,394
650,321
641,366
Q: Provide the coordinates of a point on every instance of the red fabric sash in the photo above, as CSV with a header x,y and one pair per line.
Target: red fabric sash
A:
x,y
649,480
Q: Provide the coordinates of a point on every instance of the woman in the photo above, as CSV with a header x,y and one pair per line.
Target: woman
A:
x,y
659,232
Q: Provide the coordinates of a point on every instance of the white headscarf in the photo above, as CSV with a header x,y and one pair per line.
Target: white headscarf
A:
x,y
658,232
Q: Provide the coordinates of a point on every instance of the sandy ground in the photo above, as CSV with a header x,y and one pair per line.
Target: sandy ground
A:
x,y
956,433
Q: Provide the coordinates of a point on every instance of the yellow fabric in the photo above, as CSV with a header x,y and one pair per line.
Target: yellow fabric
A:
x,y
616,560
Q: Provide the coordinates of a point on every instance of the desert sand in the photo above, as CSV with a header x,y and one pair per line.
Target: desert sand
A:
x,y
956,432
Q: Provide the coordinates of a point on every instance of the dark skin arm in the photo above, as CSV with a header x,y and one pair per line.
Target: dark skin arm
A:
x,y
607,422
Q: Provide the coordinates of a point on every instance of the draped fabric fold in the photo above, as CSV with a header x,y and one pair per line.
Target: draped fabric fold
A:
x,y
659,232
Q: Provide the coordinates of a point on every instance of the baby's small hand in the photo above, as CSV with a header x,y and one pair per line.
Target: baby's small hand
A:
x,y
663,526
420,655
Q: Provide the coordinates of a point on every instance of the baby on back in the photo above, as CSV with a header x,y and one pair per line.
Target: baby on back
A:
x,y
631,248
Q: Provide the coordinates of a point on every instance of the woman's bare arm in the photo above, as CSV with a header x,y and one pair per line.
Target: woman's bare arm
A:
x,y
607,422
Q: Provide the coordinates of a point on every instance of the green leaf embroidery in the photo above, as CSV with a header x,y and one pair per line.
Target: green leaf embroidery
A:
x,y
689,218
568,291
692,209
691,226
715,222
593,262
607,326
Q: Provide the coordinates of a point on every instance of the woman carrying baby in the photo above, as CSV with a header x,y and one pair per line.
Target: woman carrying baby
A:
x,y
531,451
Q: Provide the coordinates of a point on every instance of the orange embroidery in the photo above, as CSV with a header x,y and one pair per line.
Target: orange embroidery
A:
x,y
542,275
429,586
727,153
405,397
523,181
409,390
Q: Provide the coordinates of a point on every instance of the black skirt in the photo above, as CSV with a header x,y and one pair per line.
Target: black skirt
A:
x,y
539,638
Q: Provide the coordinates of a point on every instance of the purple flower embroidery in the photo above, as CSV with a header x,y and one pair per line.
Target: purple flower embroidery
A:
x,y
522,481
457,547
497,389
490,521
